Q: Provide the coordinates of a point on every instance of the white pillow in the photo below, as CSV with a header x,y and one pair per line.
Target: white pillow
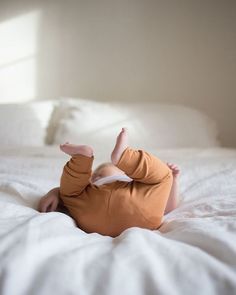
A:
x,y
150,124
25,124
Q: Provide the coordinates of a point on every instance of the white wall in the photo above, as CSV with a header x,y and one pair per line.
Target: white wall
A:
x,y
181,51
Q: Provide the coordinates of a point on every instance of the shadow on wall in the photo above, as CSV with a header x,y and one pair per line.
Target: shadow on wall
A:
x,y
18,57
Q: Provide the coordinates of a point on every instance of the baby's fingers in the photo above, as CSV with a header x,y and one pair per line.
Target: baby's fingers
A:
x,y
44,205
176,171
54,205
41,205
171,166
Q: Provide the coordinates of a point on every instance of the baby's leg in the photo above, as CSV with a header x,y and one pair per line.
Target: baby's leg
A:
x,y
121,145
152,183
77,172
138,164
173,199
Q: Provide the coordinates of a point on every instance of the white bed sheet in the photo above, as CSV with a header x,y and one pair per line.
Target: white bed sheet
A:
x,y
194,251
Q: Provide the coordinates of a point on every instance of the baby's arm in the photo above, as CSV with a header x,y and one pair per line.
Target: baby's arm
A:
x,y
77,172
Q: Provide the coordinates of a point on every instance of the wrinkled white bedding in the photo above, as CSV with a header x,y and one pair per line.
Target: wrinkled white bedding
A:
x,y
194,251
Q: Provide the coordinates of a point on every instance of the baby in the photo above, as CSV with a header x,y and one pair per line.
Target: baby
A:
x,y
135,190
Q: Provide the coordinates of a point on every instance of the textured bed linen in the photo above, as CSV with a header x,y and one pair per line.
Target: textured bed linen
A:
x,y
193,252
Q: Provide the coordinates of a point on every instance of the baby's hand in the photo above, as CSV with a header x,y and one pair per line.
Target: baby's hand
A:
x,y
174,168
49,202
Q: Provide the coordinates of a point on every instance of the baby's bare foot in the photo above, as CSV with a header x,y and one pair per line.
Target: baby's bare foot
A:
x,y
121,145
73,149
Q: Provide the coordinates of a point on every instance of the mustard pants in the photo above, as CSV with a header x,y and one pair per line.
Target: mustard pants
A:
x,y
111,208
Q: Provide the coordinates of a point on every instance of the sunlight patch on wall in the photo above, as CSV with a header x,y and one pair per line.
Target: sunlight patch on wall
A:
x,y
18,53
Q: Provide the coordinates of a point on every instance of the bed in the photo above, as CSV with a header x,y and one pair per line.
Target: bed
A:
x,y
193,252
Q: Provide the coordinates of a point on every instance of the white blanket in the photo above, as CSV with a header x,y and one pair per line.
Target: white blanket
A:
x,y
194,251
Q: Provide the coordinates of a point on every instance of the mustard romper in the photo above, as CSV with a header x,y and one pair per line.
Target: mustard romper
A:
x,y
111,208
